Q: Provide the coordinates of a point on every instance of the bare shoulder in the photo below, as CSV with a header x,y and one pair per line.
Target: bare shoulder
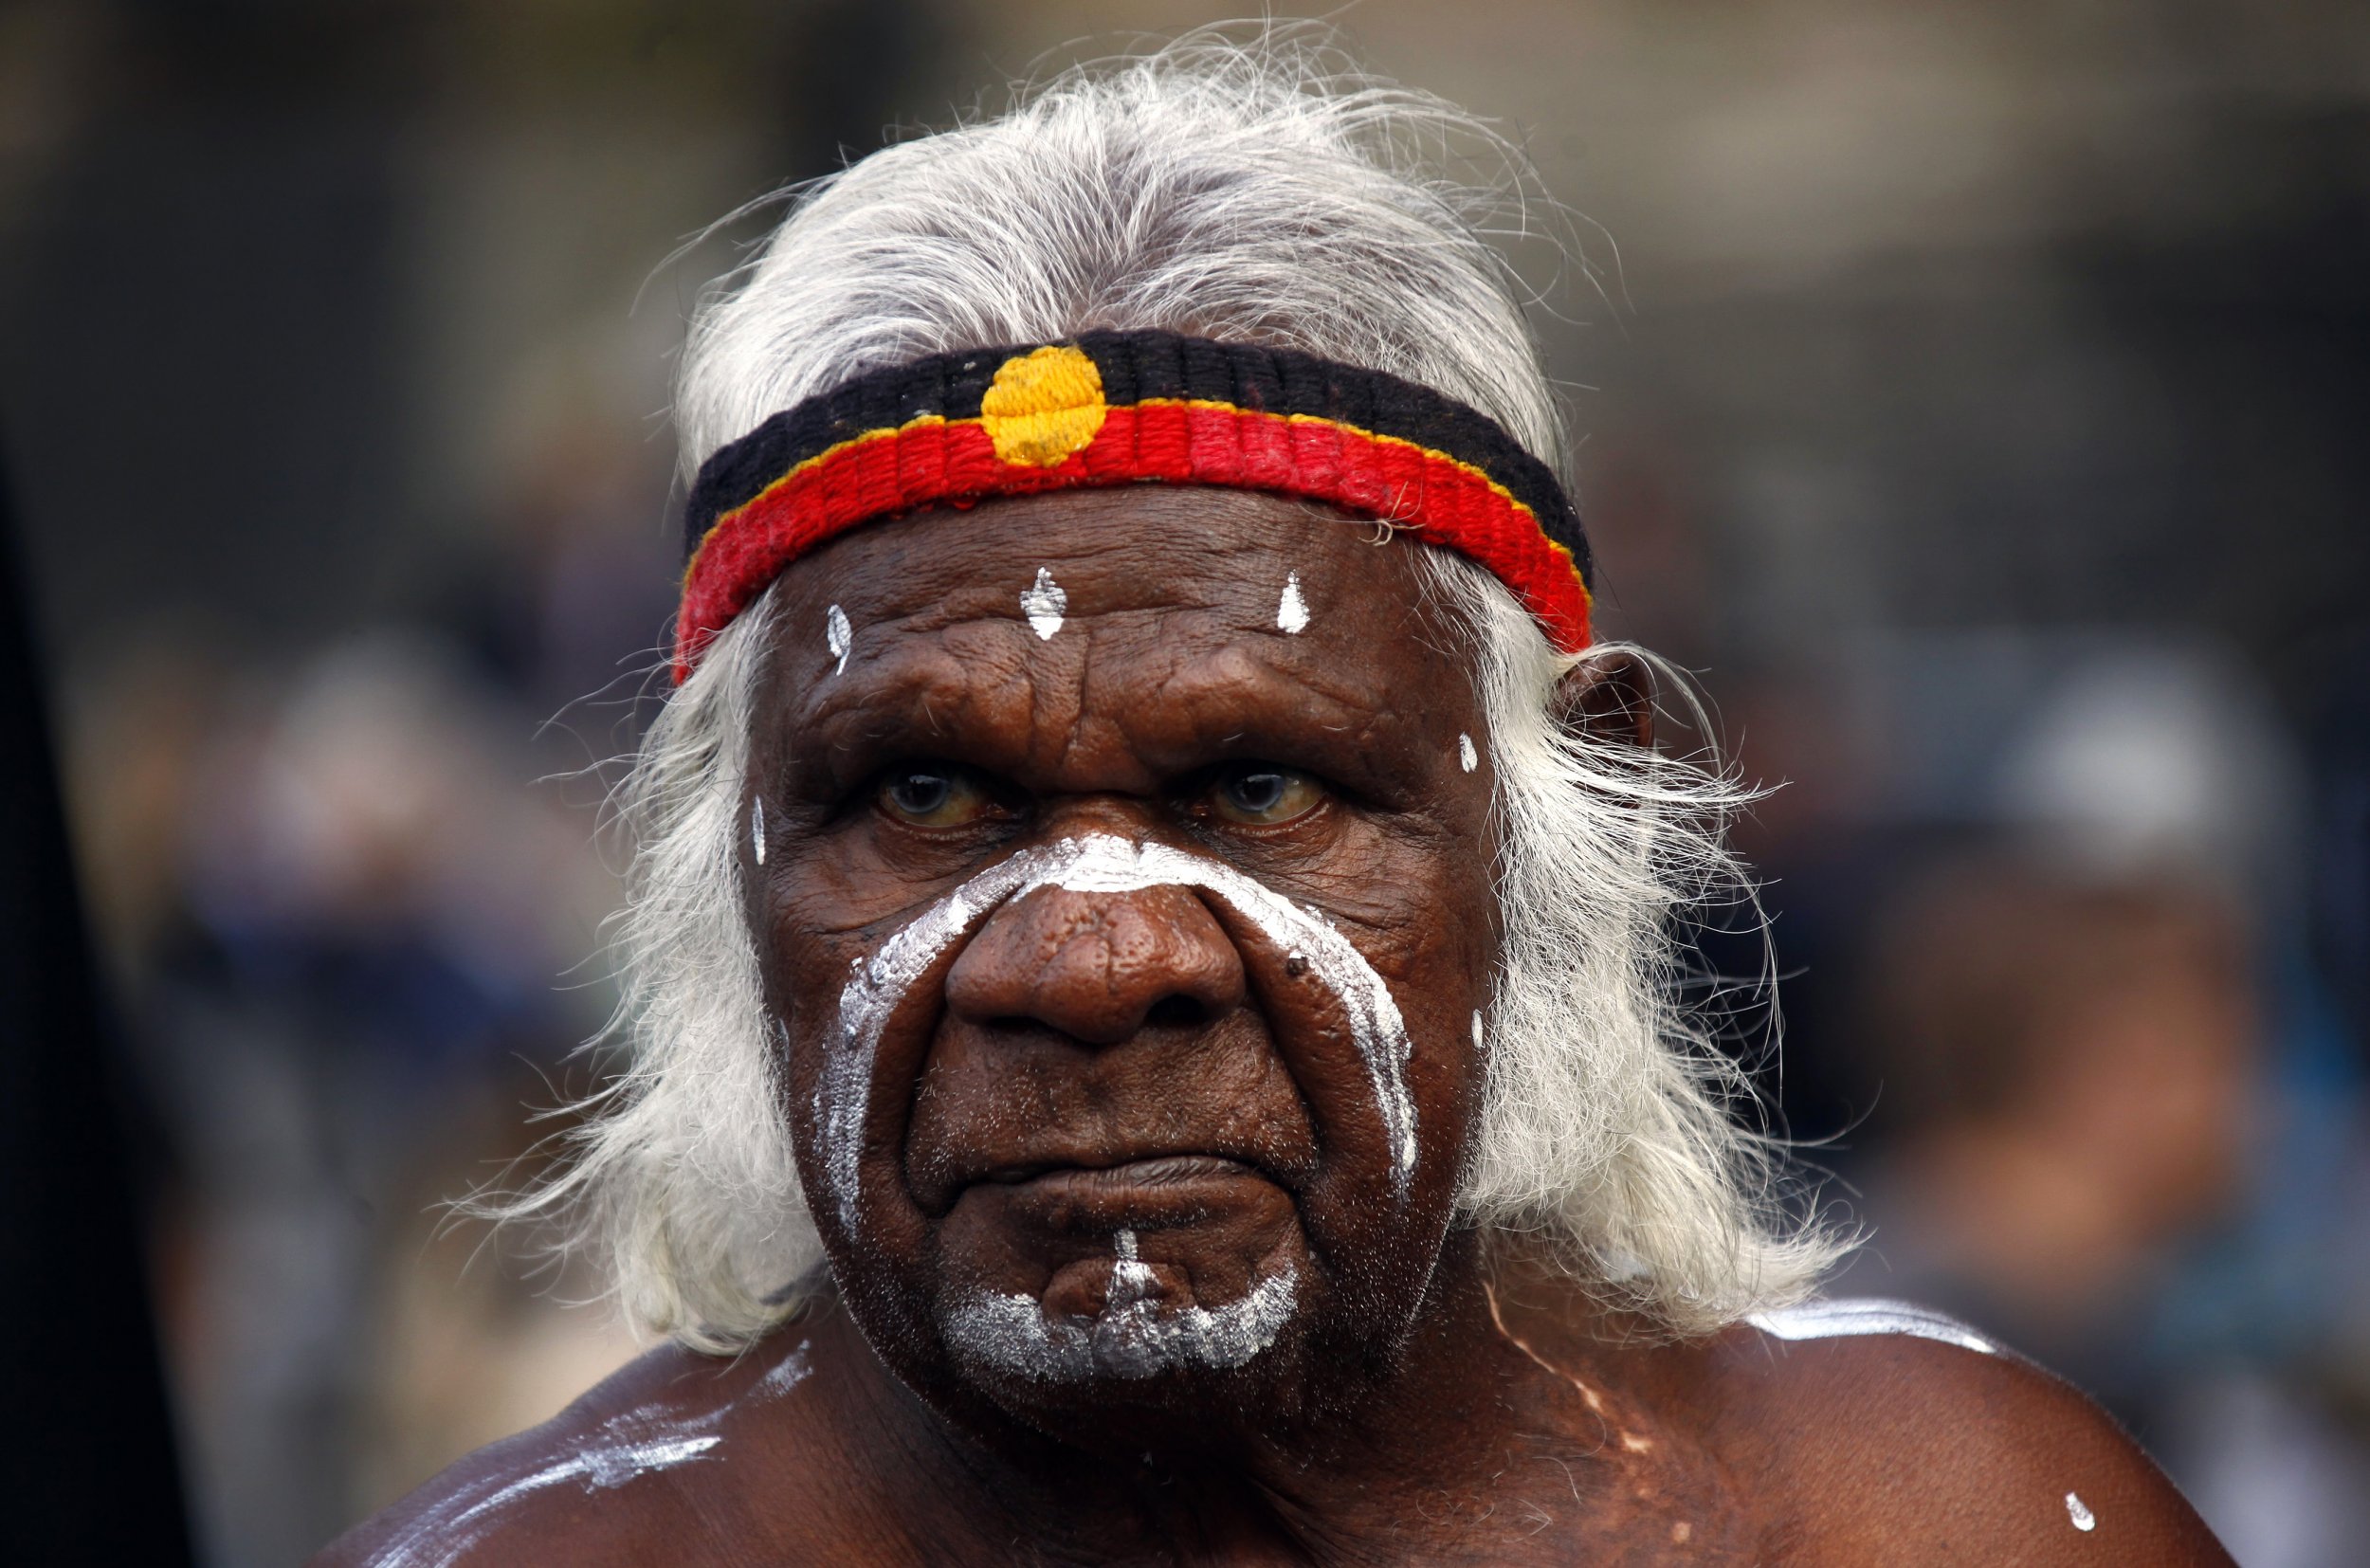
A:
x,y
653,1464
1893,1435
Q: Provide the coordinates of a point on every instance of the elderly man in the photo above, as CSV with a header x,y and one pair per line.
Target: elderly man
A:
x,y
1148,953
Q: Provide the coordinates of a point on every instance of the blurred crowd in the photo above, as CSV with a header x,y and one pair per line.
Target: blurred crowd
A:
x,y
1978,411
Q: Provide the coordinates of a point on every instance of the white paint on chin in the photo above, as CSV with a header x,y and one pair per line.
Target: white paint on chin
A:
x,y
1292,613
1101,863
1130,1337
1045,604
838,636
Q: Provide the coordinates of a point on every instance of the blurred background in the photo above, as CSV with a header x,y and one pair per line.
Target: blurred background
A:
x,y
1976,396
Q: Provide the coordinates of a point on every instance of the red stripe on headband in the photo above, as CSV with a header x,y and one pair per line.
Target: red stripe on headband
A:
x,y
1429,494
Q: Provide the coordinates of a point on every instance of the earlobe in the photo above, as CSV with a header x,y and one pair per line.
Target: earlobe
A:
x,y
1608,697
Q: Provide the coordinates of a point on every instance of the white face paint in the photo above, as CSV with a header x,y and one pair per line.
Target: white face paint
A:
x,y
1044,603
1292,615
1099,863
1465,754
1478,1045
1130,1337
838,636
756,831
2079,1511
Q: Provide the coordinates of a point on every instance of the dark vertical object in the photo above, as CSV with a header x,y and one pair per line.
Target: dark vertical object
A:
x,y
87,1473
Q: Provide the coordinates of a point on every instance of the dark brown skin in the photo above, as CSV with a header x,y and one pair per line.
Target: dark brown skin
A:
x,y
1085,1062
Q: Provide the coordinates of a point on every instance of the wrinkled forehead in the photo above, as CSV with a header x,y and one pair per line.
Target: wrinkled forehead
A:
x,y
1199,599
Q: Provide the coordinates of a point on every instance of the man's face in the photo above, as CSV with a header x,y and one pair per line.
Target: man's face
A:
x,y
1124,897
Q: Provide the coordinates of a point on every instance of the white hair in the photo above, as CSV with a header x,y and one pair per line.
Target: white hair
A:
x,y
1235,191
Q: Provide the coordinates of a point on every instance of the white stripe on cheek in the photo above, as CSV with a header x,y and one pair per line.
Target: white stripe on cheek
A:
x,y
1101,863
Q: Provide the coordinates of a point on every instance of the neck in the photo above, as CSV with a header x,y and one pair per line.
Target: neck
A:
x,y
1379,1458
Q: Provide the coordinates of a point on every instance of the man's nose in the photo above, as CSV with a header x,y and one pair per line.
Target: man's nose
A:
x,y
1098,966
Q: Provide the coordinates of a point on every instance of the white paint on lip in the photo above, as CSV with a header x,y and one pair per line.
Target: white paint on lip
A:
x,y
838,636
1131,1277
1101,863
1291,614
1045,604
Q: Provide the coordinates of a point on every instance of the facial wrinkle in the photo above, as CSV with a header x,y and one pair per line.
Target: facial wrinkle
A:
x,y
1099,863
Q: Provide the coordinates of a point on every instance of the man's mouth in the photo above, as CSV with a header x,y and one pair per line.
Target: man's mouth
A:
x,y
1149,1171
1089,1201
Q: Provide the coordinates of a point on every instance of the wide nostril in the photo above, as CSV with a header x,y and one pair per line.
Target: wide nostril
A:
x,y
1177,1011
1098,966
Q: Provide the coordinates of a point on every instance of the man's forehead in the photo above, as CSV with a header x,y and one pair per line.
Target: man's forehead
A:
x,y
1146,548
1222,607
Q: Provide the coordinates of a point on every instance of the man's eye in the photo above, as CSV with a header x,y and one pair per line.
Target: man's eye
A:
x,y
934,797
1261,796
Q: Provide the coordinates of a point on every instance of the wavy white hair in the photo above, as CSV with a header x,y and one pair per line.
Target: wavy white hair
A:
x,y
1237,191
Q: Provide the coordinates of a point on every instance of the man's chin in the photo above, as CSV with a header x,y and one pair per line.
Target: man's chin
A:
x,y
1137,1335
1123,1339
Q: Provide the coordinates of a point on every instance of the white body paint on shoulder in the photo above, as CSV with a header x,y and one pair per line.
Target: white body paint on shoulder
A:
x,y
1836,1319
627,1447
787,1373
1045,604
1101,863
838,636
2079,1511
1292,613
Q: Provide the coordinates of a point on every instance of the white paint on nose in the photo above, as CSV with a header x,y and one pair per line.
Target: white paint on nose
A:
x,y
1102,862
1045,604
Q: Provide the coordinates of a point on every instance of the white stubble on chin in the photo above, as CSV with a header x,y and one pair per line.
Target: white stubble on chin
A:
x,y
1130,1337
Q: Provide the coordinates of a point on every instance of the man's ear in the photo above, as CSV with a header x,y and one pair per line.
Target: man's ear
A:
x,y
1608,697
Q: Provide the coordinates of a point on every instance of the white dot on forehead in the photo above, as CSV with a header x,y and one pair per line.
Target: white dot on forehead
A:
x,y
838,636
1043,603
1292,613
1465,754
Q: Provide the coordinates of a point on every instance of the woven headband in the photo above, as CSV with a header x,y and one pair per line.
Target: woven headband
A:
x,y
1116,407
